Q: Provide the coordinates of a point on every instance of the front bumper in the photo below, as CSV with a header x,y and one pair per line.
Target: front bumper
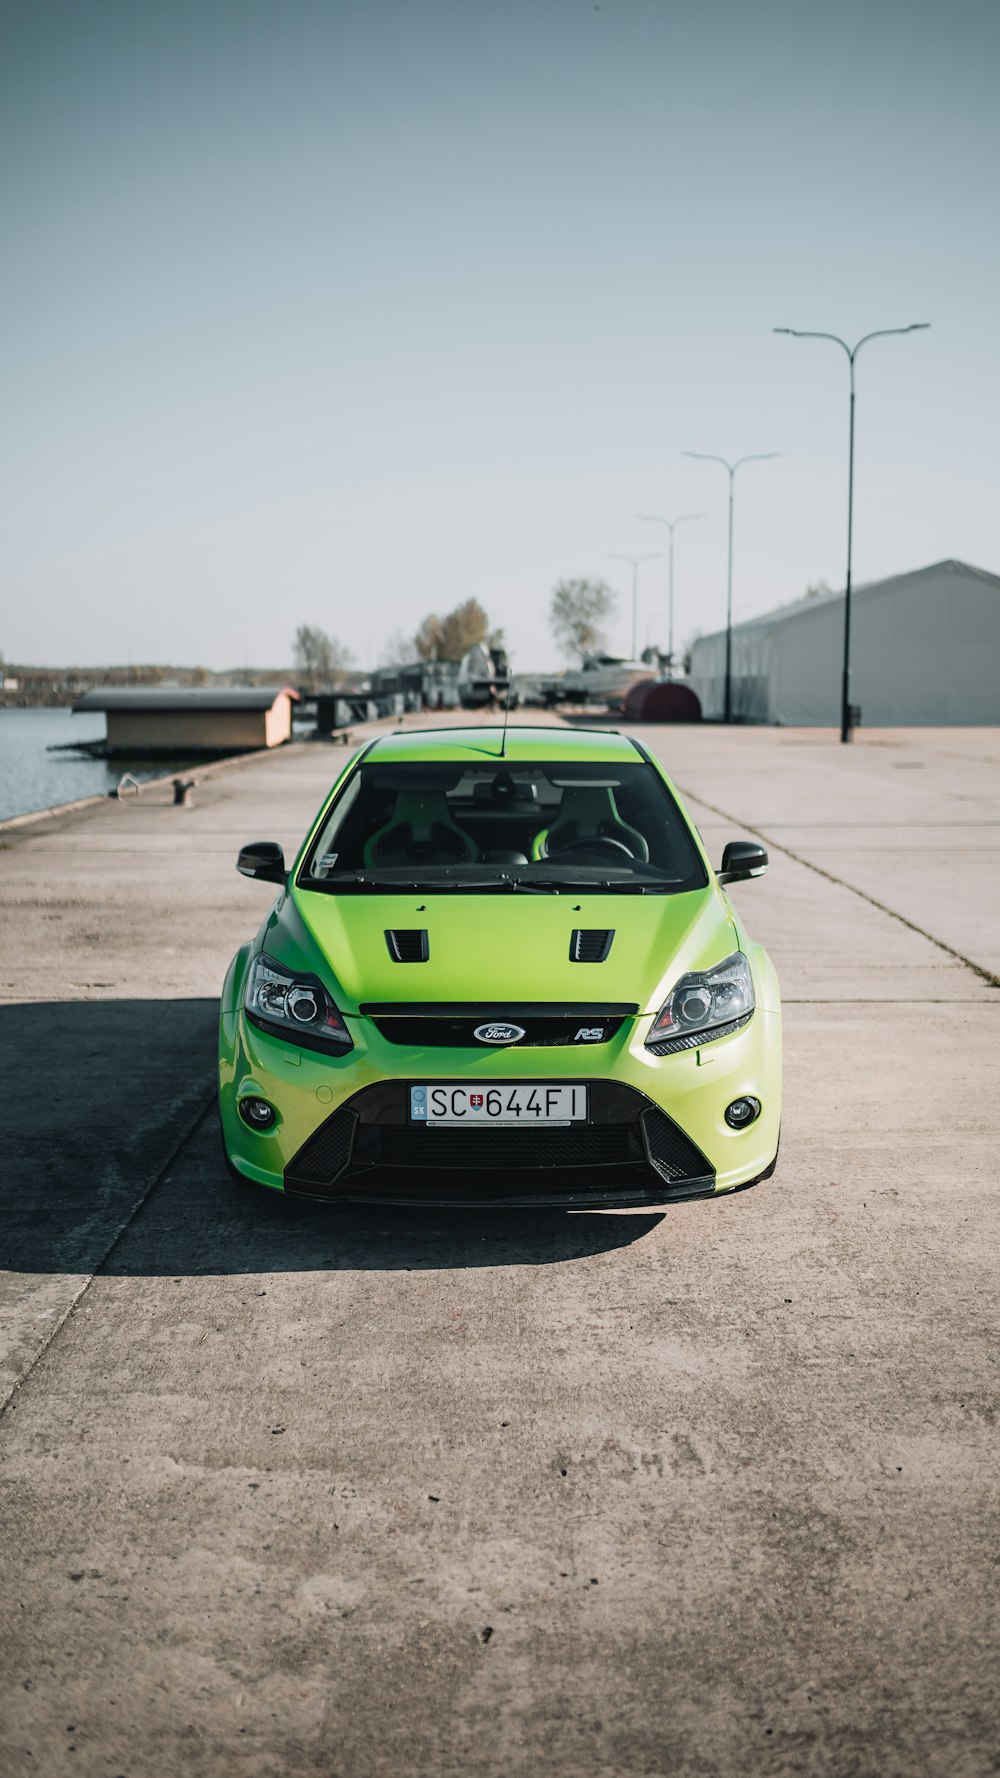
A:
x,y
370,1145
655,1131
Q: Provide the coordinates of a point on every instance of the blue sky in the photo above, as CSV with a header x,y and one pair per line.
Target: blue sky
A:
x,y
342,313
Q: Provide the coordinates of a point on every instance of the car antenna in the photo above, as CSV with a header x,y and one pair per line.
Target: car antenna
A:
x,y
506,713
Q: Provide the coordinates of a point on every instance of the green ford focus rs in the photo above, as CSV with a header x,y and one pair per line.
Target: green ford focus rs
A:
x,y
501,970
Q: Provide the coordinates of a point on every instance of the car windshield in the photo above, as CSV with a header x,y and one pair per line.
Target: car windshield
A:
x,y
504,826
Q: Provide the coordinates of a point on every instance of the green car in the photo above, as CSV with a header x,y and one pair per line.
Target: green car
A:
x,y
501,970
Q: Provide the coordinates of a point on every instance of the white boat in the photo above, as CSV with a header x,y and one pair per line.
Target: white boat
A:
x,y
600,679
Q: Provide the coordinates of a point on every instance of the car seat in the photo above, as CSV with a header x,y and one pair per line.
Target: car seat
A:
x,y
421,831
588,812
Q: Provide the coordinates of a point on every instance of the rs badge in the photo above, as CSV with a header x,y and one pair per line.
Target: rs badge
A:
x,y
589,1034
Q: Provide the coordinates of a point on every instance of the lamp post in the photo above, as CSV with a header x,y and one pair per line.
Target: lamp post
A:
x,y
731,468
636,562
880,333
652,518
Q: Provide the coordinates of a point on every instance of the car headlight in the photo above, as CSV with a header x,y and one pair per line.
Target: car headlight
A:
x,y
296,1007
706,1004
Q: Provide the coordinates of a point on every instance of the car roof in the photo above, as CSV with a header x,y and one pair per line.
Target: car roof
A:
x,y
473,745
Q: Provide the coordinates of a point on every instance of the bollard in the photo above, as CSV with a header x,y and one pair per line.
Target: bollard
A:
x,y
183,788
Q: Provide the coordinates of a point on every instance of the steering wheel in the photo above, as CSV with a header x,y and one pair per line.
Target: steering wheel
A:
x,y
599,844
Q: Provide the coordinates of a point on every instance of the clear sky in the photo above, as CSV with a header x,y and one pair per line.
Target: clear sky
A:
x,y
339,313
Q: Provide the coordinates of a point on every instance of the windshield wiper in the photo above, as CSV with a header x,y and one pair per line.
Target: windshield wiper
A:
x,y
602,885
344,882
359,879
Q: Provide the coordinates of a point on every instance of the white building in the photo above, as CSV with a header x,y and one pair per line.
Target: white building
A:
x,y
925,649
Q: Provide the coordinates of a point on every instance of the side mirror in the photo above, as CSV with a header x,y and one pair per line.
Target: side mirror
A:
x,y
742,859
264,860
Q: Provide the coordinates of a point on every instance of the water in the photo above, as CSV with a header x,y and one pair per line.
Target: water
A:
x,y
31,778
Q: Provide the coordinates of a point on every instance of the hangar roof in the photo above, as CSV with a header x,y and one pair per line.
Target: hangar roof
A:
x,y
780,614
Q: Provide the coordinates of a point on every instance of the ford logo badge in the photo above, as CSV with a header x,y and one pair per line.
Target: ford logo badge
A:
x,y
499,1033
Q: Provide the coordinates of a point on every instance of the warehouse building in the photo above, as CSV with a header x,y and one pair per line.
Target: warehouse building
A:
x,y
192,720
925,649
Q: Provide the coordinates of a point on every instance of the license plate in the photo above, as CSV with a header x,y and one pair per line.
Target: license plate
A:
x,y
506,1104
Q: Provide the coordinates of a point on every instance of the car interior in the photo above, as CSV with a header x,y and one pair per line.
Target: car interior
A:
x,y
399,816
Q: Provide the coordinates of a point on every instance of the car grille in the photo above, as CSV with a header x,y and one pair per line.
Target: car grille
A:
x,y
626,1139
424,1146
454,1026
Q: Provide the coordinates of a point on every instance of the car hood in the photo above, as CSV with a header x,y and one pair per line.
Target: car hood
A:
x,y
501,949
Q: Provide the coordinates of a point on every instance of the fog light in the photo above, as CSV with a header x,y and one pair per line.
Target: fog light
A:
x,y
742,1112
260,1115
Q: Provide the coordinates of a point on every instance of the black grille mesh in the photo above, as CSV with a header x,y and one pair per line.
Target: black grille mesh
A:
x,y
601,1145
326,1154
672,1153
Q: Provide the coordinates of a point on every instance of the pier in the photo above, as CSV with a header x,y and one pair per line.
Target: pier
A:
x,y
311,1490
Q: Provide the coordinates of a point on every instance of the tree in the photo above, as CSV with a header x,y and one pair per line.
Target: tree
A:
x,y
427,640
340,661
462,628
309,653
448,638
578,613
319,657
398,650
818,589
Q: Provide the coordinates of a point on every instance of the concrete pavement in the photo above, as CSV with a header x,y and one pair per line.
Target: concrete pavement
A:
x,y
706,1491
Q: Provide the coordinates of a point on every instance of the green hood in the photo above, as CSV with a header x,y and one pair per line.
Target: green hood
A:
x,y
500,948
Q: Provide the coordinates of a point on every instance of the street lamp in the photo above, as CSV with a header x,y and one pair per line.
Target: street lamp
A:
x,y
881,333
652,518
636,561
731,468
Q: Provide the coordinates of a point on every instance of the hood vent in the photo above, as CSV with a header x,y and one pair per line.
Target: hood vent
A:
x,y
408,944
590,944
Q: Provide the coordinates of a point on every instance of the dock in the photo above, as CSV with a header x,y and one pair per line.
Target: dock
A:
x,y
307,1490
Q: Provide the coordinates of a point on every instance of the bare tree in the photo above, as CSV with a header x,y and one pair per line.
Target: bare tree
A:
x,y
310,654
398,650
340,660
320,658
578,613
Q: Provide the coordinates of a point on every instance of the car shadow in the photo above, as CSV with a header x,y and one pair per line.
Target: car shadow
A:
x,y
113,1163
